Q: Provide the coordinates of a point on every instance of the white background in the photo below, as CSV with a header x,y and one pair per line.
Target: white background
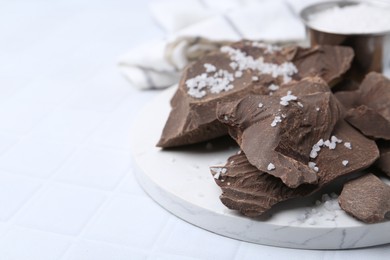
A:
x,y
67,189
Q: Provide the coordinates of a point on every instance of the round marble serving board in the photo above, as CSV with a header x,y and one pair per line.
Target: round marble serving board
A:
x,y
180,181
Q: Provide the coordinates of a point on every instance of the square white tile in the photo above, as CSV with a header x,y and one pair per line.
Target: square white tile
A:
x,y
27,244
6,141
36,156
95,166
60,209
15,191
128,220
83,250
68,125
196,242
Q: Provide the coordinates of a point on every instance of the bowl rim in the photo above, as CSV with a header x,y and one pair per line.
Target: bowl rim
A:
x,y
323,5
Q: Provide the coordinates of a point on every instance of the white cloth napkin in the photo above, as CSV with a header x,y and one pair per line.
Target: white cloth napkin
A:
x,y
194,27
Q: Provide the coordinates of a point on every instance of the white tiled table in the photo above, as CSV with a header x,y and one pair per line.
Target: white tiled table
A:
x,y
67,189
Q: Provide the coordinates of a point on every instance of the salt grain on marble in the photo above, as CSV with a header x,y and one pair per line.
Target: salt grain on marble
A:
x,y
260,105
345,162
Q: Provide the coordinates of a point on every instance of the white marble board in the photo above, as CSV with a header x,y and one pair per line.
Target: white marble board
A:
x,y
180,181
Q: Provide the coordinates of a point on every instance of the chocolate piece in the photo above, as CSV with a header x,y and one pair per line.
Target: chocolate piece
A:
x,y
278,136
253,192
334,62
366,198
383,162
234,72
369,122
369,109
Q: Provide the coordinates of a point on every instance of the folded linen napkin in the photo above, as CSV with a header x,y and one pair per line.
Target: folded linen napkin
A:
x,y
195,27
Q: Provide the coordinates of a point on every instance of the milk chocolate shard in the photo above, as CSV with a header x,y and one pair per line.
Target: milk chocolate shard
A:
x,y
368,107
277,133
383,163
234,72
366,198
253,192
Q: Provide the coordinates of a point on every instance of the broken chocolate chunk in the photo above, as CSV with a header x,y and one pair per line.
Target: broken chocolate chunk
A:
x,y
278,137
368,107
235,71
366,198
253,192
369,122
383,163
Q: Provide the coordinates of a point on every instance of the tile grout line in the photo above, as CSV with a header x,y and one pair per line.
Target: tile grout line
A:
x,y
107,200
45,181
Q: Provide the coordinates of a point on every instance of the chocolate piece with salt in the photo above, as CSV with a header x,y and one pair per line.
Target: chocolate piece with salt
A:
x,y
366,198
277,133
253,192
368,107
236,71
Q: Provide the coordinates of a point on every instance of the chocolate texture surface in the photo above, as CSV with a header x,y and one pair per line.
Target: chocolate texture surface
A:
x,y
236,71
252,192
366,198
278,136
368,108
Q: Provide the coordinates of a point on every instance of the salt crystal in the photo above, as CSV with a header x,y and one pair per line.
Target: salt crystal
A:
x,y
317,109
345,162
276,120
269,48
255,78
300,104
325,197
273,87
270,167
218,171
311,221
209,67
244,61
348,145
284,101
359,18
260,105
238,74
233,65
334,139
302,217
313,166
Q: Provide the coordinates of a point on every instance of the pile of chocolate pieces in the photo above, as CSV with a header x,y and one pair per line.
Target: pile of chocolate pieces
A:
x,y
300,123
